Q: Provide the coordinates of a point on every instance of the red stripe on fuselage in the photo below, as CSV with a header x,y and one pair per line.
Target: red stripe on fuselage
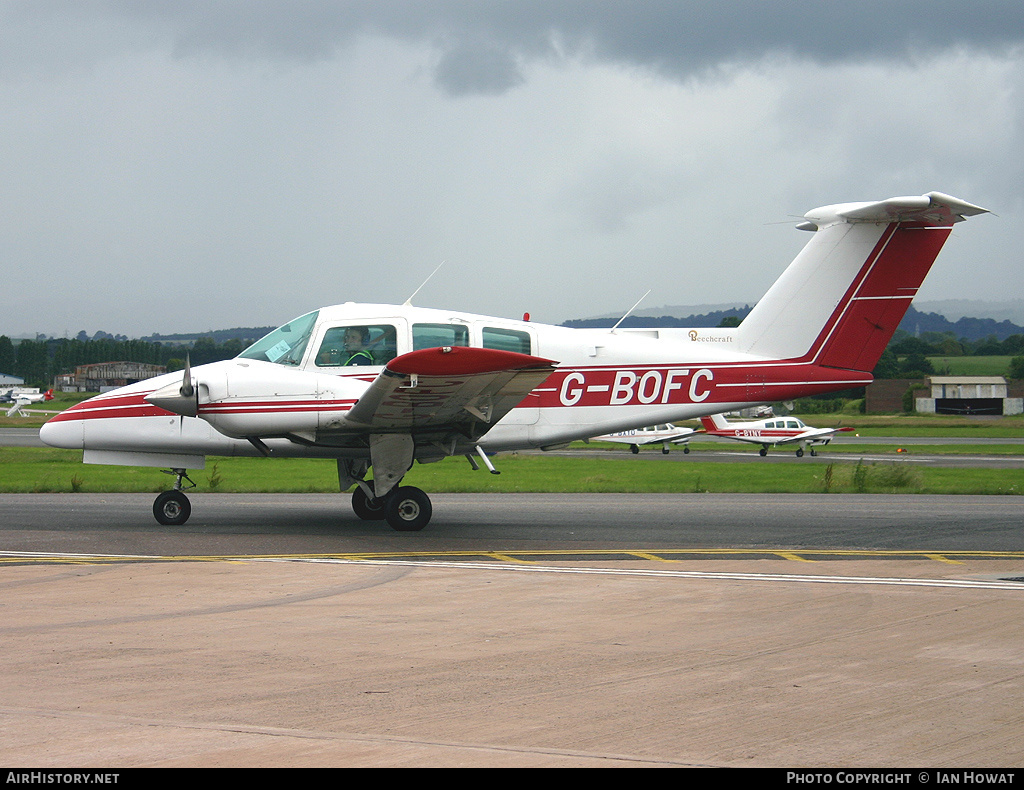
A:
x,y
109,407
135,405
276,407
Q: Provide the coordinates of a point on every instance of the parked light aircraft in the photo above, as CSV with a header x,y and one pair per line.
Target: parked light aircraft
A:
x,y
771,431
22,399
437,383
665,434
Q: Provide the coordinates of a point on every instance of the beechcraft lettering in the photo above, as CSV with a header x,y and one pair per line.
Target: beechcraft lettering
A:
x,y
700,337
382,387
633,387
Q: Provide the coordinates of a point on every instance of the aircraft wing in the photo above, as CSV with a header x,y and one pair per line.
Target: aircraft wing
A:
x,y
466,390
813,435
678,437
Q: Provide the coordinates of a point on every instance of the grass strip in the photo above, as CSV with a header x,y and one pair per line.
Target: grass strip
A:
x,y
26,470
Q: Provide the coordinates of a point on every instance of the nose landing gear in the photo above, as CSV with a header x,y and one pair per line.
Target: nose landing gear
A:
x,y
172,508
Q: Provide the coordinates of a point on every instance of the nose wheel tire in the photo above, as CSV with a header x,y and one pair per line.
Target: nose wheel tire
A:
x,y
172,508
408,509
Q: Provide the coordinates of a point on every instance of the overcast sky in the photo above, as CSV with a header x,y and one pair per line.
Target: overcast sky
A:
x,y
173,166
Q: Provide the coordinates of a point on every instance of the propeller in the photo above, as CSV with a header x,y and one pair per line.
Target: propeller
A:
x,y
181,398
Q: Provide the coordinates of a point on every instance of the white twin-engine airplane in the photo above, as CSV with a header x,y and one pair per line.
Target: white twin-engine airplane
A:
x,y
22,399
384,386
665,434
771,431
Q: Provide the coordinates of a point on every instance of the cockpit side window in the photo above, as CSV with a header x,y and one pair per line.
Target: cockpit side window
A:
x,y
436,335
286,344
361,344
507,340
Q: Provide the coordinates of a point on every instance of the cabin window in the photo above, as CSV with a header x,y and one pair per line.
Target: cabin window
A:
x,y
357,344
286,344
437,335
507,340
792,424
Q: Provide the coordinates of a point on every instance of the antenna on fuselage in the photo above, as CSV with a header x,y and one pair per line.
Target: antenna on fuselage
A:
x,y
408,302
630,310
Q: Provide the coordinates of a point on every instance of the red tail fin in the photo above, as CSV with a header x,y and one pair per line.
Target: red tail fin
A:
x,y
878,299
840,301
714,423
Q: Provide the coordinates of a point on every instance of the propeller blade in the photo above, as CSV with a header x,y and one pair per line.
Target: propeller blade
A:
x,y
187,390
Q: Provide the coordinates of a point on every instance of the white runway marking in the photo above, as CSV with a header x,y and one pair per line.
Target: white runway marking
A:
x,y
796,578
977,584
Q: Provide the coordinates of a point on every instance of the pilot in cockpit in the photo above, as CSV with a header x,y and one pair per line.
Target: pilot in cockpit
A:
x,y
356,337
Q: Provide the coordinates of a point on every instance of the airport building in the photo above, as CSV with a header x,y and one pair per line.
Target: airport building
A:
x,y
968,395
104,376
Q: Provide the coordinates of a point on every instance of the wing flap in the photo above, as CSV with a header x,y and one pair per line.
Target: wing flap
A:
x,y
449,388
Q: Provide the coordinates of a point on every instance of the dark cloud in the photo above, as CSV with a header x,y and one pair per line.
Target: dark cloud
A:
x,y
483,41
477,69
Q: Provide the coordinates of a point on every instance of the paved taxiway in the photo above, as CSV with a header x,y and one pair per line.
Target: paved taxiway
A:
x,y
622,653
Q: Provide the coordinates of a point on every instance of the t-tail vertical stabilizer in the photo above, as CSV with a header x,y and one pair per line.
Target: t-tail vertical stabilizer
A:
x,y
841,299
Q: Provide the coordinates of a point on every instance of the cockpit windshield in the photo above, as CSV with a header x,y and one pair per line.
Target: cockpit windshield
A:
x,y
286,344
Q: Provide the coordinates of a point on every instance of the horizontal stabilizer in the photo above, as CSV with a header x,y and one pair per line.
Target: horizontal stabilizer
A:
x,y
934,209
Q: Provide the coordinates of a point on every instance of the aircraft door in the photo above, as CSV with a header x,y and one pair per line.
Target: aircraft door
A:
x,y
519,341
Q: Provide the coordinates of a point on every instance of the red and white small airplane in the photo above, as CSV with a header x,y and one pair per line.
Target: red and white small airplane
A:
x,y
665,434
21,399
386,386
771,431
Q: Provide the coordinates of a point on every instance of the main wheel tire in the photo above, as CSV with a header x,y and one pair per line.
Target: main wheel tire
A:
x,y
172,508
634,449
368,509
408,509
664,451
799,452
686,448
763,452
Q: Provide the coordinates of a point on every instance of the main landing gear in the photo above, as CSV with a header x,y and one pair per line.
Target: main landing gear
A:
x,y
799,451
405,508
172,508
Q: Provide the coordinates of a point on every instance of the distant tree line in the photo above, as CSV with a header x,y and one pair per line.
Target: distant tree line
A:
x,y
906,356
40,361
